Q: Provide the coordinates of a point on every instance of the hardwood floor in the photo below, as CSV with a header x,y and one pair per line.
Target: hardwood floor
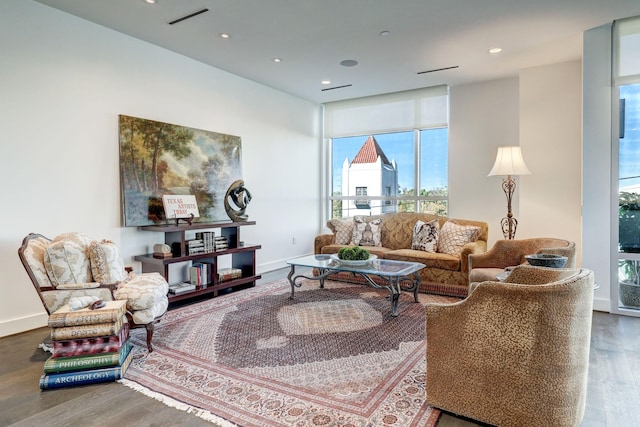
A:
x,y
613,397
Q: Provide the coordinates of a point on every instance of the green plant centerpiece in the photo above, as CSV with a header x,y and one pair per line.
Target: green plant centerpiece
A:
x,y
353,253
629,221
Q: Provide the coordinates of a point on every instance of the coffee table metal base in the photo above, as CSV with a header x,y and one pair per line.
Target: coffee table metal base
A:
x,y
394,283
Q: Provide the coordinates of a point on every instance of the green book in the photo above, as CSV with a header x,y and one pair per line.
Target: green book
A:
x,y
92,361
91,376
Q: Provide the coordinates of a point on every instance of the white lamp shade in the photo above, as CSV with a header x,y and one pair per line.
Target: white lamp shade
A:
x,y
509,161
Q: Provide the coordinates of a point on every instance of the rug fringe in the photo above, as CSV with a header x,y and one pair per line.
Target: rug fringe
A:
x,y
198,412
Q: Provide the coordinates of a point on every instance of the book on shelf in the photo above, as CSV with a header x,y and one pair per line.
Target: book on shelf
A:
x,y
64,316
76,378
162,255
194,277
87,331
200,274
87,361
93,345
221,243
207,239
181,288
195,247
225,274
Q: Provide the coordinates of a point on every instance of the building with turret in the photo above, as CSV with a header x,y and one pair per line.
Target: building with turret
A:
x,y
369,174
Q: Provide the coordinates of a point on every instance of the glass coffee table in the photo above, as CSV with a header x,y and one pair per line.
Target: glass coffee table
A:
x,y
398,275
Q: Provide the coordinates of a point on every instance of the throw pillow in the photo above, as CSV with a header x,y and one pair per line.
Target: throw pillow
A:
x,y
425,236
66,262
454,236
106,264
366,233
342,230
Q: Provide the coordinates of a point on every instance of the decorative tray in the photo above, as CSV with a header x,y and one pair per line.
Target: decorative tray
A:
x,y
353,263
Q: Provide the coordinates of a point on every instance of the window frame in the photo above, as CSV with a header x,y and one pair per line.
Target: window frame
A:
x,y
402,203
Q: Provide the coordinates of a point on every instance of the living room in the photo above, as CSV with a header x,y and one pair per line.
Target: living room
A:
x,y
73,78
65,81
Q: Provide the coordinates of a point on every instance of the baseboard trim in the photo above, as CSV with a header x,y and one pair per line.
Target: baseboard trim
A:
x,y
602,304
276,265
23,324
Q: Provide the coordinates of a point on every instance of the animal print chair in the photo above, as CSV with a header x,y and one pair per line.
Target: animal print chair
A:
x,y
514,353
506,254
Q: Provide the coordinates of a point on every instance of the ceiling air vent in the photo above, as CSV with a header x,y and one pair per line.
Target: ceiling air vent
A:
x,y
438,69
335,87
191,15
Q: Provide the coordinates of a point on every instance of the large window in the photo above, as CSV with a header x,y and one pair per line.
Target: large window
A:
x,y
627,82
387,169
629,198
388,153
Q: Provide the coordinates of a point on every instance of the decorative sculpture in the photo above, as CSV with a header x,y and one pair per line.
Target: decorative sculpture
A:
x,y
236,201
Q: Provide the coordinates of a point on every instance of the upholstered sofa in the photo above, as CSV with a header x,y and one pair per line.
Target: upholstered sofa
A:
x,y
442,244
74,265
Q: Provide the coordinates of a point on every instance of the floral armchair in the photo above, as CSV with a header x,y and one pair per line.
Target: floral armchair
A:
x,y
74,265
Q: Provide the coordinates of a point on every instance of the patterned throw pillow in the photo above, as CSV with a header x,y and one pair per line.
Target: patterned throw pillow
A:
x,y
342,230
366,233
454,236
106,264
425,236
66,261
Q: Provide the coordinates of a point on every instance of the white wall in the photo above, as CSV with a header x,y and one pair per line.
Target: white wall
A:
x,y
64,81
550,137
483,116
539,111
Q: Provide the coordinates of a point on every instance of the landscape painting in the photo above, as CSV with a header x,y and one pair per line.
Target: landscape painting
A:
x,y
159,159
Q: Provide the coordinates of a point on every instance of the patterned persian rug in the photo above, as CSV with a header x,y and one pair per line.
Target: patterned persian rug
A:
x,y
330,357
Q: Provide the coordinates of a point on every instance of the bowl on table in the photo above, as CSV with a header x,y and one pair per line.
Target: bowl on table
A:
x,y
546,260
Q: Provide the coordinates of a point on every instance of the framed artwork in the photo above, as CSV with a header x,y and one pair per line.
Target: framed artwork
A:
x,y
159,159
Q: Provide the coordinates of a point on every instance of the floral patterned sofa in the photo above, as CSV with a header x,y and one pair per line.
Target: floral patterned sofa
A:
x,y
75,265
442,244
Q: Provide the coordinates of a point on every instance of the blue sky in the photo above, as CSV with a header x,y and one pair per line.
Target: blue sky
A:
x,y
399,147
629,162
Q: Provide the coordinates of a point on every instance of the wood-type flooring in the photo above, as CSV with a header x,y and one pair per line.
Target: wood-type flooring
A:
x,y
613,397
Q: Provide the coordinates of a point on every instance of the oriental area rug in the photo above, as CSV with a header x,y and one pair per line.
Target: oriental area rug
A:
x,y
329,357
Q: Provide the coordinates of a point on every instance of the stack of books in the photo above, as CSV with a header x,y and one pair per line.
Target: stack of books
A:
x,y
221,243
225,274
181,288
89,346
207,238
200,274
195,247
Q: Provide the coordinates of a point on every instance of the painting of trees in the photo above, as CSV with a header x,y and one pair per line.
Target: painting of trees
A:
x,y
159,158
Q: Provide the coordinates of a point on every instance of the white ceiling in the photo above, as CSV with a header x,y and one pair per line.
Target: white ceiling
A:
x,y
313,36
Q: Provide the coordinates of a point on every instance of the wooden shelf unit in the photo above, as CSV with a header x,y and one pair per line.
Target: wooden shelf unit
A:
x,y
242,257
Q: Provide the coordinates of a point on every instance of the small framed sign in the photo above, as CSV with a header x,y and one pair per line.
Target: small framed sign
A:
x,y
180,207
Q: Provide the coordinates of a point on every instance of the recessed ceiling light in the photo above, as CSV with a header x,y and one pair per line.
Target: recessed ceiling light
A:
x,y
349,63
224,35
385,33
326,82
150,1
277,60
495,50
